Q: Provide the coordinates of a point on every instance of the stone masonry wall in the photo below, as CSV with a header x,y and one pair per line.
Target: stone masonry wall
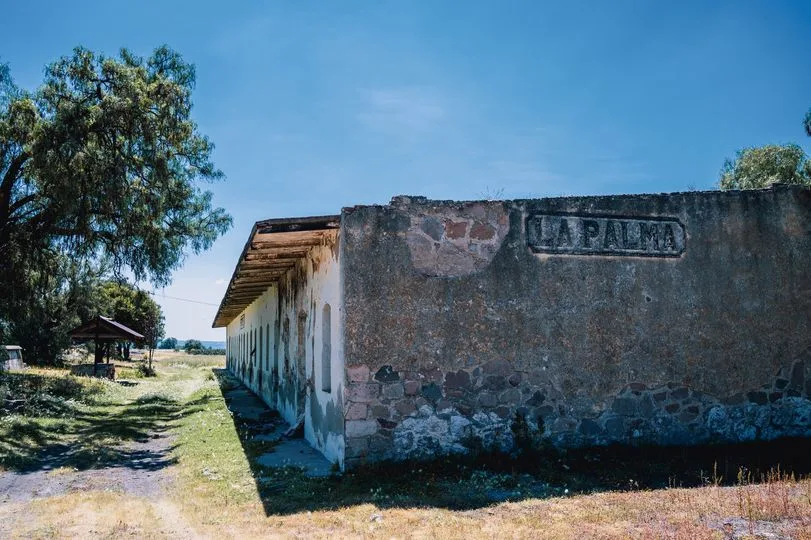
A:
x,y
669,319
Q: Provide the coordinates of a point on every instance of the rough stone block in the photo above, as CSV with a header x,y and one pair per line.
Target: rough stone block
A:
x,y
356,411
536,399
486,399
405,407
380,411
458,379
482,231
432,227
412,388
431,392
360,428
393,391
386,374
646,406
357,374
455,229
510,397
679,393
443,405
615,428
495,382
359,392
545,412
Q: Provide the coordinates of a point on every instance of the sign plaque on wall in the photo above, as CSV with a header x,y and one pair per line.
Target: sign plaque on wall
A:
x,y
585,234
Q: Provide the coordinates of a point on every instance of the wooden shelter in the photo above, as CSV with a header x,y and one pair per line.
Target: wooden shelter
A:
x,y
104,331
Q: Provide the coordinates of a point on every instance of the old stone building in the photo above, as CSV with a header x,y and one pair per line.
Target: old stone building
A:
x,y
425,327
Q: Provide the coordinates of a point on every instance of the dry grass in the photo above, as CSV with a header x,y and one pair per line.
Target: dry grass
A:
x,y
94,514
219,492
671,513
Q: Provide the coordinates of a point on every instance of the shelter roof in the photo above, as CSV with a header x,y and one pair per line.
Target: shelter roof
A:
x,y
104,328
273,247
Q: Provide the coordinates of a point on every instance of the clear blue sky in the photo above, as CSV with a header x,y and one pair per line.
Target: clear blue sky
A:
x,y
318,105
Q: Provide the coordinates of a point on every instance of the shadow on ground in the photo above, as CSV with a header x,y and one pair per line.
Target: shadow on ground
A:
x,y
471,482
56,423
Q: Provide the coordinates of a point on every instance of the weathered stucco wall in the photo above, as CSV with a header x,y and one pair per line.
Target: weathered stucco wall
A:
x,y
676,318
294,331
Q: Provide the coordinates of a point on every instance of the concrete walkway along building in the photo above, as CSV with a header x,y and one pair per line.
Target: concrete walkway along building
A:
x,y
424,327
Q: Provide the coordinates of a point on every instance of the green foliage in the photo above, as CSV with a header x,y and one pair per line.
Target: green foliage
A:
x,y
760,167
763,166
145,370
169,343
207,352
192,345
100,172
48,298
132,307
103,160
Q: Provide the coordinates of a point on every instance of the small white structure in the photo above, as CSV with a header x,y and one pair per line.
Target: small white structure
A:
x,y
14,355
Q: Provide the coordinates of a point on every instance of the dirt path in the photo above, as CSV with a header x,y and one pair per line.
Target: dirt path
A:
x,y
144,475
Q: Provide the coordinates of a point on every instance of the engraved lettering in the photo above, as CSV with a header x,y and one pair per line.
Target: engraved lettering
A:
x,y
564,236
670,238
649,235
534,230
590,234
610,240
591,230
627,241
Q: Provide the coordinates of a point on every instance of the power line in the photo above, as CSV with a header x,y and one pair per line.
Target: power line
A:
x,y
182,299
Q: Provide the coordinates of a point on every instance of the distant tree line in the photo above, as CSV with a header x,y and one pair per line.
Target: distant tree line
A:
x,y
191,346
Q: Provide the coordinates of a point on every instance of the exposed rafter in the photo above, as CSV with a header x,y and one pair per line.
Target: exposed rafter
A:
x,y
272,249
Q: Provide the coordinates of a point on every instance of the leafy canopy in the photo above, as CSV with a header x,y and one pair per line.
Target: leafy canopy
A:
x,y
760,167
168,343
132,307
763,166
192,345
104,161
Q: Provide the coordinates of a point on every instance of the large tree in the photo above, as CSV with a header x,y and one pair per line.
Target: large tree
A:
x,y
105,160
763,166
101,164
